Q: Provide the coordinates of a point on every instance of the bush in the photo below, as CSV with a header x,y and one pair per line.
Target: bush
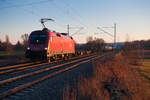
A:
x,y
112,80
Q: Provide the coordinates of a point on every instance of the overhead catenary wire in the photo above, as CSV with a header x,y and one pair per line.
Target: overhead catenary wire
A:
x,y
71,17
77,31
105,31
26,10
39,16
26,4
75,12
33,13
114,36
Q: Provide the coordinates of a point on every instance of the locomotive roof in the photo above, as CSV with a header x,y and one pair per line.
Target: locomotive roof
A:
x,y
45,30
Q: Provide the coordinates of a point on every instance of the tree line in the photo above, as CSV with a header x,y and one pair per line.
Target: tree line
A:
x,y
138,44
95,44
8,46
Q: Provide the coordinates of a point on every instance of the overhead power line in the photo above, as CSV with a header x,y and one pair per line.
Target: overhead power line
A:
x,y
39,15
105,31
72,17
76,13
36,14
79,29
114,36
27,4
29,11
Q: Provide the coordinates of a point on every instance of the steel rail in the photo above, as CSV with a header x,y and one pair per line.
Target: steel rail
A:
x,y
27,66
21,68
38,72
14,66
19,88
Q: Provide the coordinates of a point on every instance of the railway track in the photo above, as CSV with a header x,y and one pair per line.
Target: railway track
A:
x,y
42,68
14,68
15,84
12,71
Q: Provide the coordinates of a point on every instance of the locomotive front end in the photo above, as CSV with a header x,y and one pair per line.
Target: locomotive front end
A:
x,y
38,45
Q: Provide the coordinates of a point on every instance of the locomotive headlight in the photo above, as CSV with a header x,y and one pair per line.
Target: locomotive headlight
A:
x,y
28,48
45,48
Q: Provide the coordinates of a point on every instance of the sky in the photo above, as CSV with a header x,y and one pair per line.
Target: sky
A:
x,y
132,18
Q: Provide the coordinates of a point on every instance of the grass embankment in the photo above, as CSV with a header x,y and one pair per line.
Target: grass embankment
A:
x,y
143,69
13,53
111,80
11,57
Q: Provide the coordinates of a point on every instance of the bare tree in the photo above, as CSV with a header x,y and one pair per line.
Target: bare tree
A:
x,y
1,46
18,46
99,43
95,44
7,45
25,40
89,39
7,39
89,44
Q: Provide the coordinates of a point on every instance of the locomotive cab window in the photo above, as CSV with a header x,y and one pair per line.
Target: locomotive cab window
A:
x,y
38,38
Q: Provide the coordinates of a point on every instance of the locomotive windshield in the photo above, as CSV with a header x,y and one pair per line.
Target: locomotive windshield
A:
x,y
38,38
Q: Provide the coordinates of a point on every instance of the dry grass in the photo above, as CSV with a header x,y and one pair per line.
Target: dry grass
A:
x,y
144,70
112,80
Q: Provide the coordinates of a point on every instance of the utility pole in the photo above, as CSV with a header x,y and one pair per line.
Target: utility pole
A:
x,y
115,34
68,29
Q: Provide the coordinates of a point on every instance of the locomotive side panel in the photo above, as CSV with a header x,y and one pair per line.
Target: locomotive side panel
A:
x,y
55,45
68,45
61,44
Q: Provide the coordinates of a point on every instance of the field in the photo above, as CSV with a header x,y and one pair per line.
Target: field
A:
x,y
13,53
119,78
143,67
12,57
144,70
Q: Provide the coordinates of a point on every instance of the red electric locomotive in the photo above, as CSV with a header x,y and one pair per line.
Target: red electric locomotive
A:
x,y
49,45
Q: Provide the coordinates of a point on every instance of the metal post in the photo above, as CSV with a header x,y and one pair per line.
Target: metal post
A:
x,y
68,29
114,34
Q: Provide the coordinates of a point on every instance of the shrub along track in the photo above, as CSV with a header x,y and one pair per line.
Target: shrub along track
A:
x,y
13,85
